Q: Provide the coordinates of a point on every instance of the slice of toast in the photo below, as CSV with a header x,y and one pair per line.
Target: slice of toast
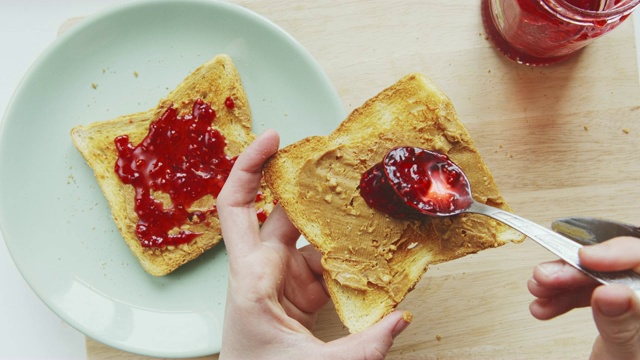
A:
x,y
213,82
371,261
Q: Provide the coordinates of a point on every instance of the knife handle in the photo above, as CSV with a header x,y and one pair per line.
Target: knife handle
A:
x,y
561,246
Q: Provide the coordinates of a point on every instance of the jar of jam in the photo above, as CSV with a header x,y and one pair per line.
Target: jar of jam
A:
x,y
542,32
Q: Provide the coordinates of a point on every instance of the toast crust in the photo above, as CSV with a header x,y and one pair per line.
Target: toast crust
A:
x,y
213,82
371,261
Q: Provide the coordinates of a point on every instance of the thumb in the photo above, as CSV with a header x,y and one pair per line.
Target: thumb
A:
x,y
616,311
373,343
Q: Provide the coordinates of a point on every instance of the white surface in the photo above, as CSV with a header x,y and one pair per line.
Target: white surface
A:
x,y
28,329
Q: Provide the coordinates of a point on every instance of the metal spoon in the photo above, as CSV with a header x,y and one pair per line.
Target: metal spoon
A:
x,y
431,184
561,246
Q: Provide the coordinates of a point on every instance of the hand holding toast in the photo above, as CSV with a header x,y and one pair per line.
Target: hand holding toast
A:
x,y
560,288
276,290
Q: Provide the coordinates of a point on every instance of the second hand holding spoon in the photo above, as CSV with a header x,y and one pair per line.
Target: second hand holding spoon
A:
x,y
412,182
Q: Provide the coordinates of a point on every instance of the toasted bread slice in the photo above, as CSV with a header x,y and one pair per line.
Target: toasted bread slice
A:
x,y
213,82
371,261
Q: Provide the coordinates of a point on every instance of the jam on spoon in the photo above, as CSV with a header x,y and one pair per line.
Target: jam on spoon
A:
x,y
411,182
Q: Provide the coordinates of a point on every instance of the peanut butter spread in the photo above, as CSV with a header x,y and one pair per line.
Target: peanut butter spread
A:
x,y
370,249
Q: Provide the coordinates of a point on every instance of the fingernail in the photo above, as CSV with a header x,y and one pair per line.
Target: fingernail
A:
x,y
399,328
401,324
551,268
592,249
613,310
614,306
599,249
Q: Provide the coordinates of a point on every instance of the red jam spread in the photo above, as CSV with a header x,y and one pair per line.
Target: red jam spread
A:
x,y
531,32
181,156
412,182
229,103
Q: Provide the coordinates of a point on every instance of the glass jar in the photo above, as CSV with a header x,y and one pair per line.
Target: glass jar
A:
x,y
542,32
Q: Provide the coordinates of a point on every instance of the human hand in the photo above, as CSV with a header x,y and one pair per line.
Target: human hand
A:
x,y
616,308
275,290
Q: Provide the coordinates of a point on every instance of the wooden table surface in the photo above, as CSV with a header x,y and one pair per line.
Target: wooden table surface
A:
x,y
560,141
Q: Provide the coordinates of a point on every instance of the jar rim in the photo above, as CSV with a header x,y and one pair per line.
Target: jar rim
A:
x,y
573,12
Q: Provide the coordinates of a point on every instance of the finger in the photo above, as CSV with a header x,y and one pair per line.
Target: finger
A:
x,y
373,343
243,182
303,288
559,303
558,275
278,228
622,253
307,319
559,288
235,202
313,258
309,299
616,311
540,291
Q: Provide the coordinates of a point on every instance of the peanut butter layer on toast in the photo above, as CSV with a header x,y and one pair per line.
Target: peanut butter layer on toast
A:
x,y
217,84
372,261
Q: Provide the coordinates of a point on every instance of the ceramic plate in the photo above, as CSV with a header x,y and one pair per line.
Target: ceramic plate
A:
x,y
54,218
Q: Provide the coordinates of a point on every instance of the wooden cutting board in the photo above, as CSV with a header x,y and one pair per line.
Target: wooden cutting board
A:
x,y
560,141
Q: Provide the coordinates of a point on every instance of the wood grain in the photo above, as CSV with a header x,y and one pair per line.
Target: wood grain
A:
x,y
560,141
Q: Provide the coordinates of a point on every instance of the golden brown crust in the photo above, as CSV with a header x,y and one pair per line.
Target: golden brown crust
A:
x,y
372,261
212,82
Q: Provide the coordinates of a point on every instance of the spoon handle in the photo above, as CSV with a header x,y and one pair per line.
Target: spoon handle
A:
x,y
561,246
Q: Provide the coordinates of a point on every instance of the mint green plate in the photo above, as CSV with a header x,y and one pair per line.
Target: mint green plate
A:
x,y
54,218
